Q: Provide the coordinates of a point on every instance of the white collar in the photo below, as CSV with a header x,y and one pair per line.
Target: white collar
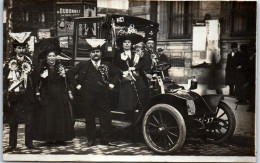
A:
x,y
96,62
128,53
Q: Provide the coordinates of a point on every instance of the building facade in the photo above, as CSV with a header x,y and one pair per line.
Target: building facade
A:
x,y
177,18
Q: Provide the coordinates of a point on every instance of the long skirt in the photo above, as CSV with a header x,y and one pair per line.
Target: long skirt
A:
x,y
133,96
53,122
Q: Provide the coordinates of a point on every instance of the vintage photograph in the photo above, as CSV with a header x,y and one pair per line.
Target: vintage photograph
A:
x,y
129,80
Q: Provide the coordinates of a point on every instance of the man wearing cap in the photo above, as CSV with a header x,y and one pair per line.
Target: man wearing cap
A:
x,y
162,59
149,54
19,88
95,79
234,64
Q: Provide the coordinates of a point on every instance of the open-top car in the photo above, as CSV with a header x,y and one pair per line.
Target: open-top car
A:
x,y
173,112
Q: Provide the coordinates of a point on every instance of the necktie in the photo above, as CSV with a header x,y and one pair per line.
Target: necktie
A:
x,y
96,65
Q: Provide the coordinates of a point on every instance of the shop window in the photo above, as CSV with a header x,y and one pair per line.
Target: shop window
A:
x,y
243,19
181,15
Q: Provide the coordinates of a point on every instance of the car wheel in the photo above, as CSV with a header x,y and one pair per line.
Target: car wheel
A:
x,y
164,129
222,126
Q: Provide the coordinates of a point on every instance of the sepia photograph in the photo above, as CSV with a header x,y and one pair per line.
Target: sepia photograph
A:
x,y
129,80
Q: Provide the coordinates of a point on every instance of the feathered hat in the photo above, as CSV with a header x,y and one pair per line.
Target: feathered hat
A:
x,y
47,45
128,33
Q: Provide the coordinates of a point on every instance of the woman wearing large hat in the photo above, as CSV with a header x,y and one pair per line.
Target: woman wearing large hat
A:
x,y
53,122
133,92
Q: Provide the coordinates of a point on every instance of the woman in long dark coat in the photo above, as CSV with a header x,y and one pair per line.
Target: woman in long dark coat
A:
x,y
134,92
53,121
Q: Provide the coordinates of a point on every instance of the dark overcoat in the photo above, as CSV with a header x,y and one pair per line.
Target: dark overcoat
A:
x,y
92,87
128,96
53,120
232,73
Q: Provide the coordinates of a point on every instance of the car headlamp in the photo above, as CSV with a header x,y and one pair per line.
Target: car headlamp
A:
x,y
191,109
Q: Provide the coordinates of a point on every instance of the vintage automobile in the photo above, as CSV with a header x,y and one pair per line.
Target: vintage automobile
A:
x,y
173,112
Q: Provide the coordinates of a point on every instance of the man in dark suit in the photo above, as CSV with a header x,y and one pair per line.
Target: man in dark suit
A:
x,y
234,65
19,88
95,79
148,55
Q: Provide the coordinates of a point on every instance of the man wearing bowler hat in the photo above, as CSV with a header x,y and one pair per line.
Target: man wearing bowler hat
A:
x,y
234,64
19,88
95,79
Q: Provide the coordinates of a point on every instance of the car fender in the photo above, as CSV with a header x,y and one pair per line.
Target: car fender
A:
x,y
212,101
170,99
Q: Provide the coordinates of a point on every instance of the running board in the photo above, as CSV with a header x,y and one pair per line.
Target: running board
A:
x,y
117,112
120,124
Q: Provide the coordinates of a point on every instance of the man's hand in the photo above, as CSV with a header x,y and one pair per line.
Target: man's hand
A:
x,y
111,86
239,67
78,87
38,97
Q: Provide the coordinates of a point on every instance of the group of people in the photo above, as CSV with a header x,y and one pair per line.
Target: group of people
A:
x,y
38,95
240,73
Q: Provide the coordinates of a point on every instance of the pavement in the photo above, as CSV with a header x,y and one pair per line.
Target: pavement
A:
x,y
242,143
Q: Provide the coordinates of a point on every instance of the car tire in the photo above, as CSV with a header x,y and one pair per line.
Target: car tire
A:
x,y
228,114
164,129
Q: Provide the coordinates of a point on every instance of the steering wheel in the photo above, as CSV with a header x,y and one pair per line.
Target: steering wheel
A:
x,y
161,67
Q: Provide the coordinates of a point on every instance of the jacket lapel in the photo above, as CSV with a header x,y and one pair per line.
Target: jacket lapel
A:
x,y
87,66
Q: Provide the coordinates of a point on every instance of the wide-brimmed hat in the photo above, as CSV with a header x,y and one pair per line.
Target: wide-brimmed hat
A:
x,y
133,37
45,46
19,39
93,44
233,45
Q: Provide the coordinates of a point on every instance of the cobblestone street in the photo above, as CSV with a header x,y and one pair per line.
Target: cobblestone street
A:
x,y
241,144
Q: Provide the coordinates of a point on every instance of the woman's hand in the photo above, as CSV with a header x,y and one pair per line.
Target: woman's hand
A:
x,y
125,73
131,68
111,86
78,87
71,95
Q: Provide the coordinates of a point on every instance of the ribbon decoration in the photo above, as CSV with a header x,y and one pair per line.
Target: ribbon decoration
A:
x,y
26,68
17,76
103,69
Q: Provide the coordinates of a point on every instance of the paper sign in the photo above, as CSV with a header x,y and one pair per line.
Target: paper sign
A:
x,y
199,38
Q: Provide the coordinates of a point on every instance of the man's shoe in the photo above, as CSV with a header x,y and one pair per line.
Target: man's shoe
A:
x,y
31,146
9,149
107,143
91,143
60,142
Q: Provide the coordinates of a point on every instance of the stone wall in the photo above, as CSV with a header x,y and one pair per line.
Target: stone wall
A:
x,y
181,49
212,8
